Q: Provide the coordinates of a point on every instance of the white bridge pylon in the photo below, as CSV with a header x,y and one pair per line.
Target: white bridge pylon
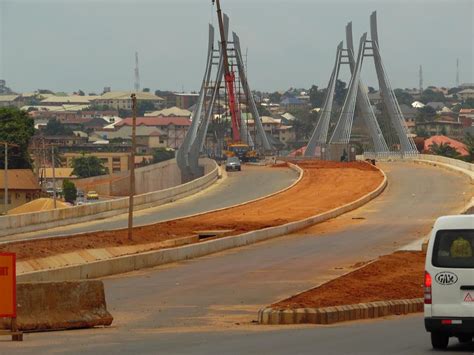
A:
x,y
193,144
357,100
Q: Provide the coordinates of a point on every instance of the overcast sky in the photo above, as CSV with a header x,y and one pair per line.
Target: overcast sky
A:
x,y
66,45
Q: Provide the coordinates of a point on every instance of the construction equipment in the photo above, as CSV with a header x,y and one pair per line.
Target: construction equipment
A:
x,y
229,76
236,147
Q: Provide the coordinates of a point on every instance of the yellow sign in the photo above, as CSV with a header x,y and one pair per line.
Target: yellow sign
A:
x,y
7,285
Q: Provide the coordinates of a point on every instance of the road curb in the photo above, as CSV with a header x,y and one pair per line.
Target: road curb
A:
x,y
337,314
164,256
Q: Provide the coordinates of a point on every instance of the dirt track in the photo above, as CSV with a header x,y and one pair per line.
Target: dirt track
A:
x,y
392,277
325,185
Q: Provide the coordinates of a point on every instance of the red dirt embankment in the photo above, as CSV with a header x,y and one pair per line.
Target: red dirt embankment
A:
x,y
392,277
324,186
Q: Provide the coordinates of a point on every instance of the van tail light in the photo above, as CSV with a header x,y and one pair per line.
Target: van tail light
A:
x,y
427,288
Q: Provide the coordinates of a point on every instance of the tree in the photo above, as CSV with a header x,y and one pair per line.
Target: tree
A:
x,y
445,150
87,166
469,142
275,97
263,111
429,95
426,113
316,97
81,93
54,127
162,154
16,127
144,106
340,92
304,122
69,191
403,97
371,90
146,90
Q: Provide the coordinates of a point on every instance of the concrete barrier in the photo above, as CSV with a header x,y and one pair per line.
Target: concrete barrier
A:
x,y
158,257
60,305
337,314
29,222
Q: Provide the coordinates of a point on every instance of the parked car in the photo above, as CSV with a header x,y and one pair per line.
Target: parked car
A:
x,y
449,281
233,163
92,195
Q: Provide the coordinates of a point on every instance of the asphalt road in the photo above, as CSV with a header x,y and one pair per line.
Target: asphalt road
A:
x,y
207,305
251,183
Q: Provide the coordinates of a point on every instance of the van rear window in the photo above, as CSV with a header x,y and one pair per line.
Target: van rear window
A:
x,y
454,248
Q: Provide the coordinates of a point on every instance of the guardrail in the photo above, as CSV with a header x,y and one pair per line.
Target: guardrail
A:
x,y
28,222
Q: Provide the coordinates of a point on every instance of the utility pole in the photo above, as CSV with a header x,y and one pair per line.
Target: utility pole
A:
x,y
132,167
54,176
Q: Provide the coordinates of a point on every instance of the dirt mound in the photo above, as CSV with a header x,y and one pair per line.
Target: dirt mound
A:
x,y
38,205
392,277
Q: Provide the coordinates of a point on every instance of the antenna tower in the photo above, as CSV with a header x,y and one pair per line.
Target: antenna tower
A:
x,y
137,74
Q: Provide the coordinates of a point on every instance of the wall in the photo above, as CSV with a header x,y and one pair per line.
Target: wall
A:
x,y
149,178
28,222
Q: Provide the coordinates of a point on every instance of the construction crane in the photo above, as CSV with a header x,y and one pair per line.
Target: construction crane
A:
x,y
229,77
236,147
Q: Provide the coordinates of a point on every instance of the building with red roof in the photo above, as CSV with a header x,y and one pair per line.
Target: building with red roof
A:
x,y
459,146
173,127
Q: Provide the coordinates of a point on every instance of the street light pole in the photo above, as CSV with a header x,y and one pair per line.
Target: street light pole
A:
x,y
132,167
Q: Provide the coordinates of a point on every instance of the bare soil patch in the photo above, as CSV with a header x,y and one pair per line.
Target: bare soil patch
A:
x,y
391,277
324,186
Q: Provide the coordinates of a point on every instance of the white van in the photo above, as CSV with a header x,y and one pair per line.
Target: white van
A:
x,y
449,281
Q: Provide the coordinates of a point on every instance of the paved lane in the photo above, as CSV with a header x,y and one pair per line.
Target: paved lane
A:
x,y
251,183
207,305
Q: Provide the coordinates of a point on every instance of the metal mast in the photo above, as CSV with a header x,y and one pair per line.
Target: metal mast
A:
x,y
137,74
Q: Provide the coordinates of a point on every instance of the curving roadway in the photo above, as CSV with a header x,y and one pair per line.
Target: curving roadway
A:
x,y
207,305
239,187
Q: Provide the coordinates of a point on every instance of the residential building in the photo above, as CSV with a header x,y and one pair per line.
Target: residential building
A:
x,y
375,98
291,102
60,174
67,100
11,101
408,112
445,128
440,139
437,105
59,140
23,187
113,161
97,114
121,100
286,134
149,136
466,94
186,100
170,112
466,117
173,128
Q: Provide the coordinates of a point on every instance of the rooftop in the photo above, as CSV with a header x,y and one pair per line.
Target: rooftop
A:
x,y
125,95
156,121
19,179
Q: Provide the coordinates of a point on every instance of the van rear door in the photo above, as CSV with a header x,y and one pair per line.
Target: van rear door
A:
x,y
453,273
